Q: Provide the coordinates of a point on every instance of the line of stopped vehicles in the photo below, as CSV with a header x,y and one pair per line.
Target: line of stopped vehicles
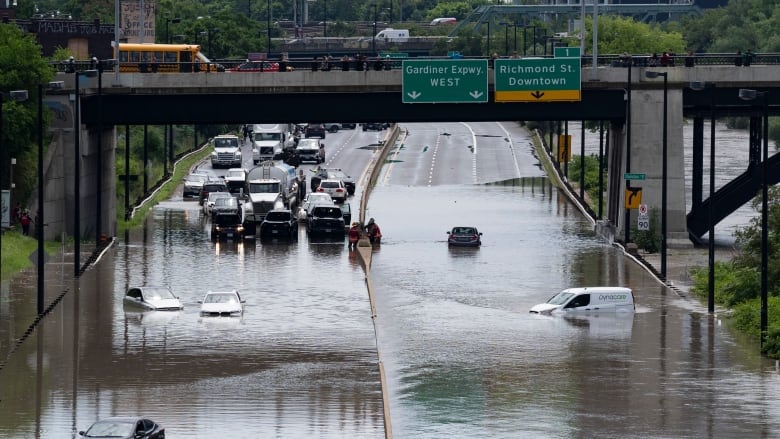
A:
x,y
270,199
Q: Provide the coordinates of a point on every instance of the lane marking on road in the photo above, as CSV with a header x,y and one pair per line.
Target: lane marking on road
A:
x,y
433,158
474,152
511,147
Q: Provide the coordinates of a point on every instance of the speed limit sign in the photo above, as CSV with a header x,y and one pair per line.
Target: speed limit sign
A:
x,y
643,209
643,222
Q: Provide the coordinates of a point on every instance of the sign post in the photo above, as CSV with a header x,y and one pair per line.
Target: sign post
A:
x,y
452,81
643,219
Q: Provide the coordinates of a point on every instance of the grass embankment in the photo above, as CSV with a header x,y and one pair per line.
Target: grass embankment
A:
x,y
165,191
17,249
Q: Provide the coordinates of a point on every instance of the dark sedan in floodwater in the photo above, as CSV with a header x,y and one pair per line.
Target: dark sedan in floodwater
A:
x,y
125,427
464,237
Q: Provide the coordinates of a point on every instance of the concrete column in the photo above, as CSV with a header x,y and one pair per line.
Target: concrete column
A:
x,y
646,157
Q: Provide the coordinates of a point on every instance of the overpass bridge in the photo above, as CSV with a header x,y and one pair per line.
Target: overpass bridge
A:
x,y
631,103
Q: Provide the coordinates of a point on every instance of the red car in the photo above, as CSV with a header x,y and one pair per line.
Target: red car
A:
x,y
256,66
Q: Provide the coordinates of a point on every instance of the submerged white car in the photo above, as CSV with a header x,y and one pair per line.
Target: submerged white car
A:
x,y
222,303
151,298
590,299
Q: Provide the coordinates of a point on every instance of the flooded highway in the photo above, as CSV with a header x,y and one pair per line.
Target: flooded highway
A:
x,y
462,355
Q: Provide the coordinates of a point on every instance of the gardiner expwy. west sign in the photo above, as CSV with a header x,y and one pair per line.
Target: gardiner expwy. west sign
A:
x,y
445,81
538,80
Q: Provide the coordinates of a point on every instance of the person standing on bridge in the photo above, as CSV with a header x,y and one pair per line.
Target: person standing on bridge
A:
x,y
747,58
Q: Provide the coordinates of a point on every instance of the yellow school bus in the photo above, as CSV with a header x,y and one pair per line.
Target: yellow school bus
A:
x,y
164,58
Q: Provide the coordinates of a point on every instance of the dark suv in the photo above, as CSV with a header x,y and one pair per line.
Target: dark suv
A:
x,y
279,223
315,130
326,220
378,126
211,186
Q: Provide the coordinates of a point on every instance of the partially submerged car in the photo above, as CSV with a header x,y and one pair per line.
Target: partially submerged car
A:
x,y
222,304
152,298
609,299
279,223
464,236
326,220
125,427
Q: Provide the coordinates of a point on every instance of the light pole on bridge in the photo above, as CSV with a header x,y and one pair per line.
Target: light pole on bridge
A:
x,y
664,175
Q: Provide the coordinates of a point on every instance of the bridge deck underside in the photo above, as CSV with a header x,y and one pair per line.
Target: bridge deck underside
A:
x,y
158,109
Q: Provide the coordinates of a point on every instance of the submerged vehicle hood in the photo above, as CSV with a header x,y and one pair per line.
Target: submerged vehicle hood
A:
x,y
166,304
221,307
544,308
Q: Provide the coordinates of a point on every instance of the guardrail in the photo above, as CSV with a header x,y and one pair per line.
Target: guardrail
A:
x,y
375,62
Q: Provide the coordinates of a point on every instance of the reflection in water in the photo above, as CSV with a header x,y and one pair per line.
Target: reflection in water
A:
x,y
464,358
300,362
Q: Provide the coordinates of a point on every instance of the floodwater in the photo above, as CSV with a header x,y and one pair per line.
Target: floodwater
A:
x,y
465,358
462,355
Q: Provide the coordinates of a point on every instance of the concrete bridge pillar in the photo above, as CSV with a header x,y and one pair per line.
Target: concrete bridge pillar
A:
x,y
59,175
646,155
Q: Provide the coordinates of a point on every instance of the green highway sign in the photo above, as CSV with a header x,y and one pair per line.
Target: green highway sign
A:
x,y
538,80
628,176
445,81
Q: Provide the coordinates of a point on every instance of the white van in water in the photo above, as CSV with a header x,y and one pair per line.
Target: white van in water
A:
x,y
608,299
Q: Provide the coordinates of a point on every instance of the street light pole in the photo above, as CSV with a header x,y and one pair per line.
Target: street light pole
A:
x,y
373,38
749,95
663,171
168,21
698,86
506,37
268,31
40,221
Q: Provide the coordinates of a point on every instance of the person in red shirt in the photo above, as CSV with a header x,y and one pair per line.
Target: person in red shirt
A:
x,y
354,236
25,220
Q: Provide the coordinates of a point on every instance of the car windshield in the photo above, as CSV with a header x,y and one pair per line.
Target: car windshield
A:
x,y
327,212
226,202
156,294
330,184
216,195
264,188
111,429
196,178
215,187
277,216
318,198
560,298
236,173
220,298
226,143
308,143
268,136
337,174
464,231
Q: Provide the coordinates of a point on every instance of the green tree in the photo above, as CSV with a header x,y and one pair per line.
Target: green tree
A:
x,y
23,69
620,34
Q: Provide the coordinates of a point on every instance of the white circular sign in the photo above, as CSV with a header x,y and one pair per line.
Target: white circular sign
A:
x,y
643,209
